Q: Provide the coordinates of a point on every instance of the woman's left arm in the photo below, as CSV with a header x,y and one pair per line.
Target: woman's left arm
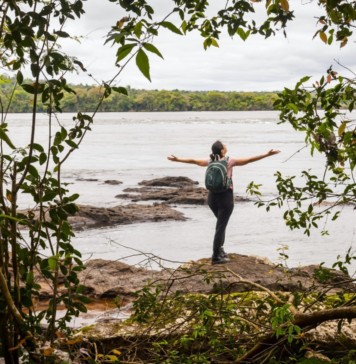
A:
x,y
244,161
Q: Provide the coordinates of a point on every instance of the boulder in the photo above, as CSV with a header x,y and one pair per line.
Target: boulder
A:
x,y
179,196
186,196
93,216
169,182
112,182
100,216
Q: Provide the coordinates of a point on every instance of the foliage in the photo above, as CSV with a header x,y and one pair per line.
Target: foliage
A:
x,y
86,98
323,114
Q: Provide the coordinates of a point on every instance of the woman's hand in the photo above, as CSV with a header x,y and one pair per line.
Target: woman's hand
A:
x,y
173,158
273,152
198,162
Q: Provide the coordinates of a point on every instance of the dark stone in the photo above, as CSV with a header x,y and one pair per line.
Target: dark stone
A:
x,y
87,179
113,182
169,182
118,215
179,196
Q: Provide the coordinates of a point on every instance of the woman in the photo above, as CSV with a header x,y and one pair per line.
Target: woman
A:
x,y
222,204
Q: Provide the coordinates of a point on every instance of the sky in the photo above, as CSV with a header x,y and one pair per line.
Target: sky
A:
x,y
255,65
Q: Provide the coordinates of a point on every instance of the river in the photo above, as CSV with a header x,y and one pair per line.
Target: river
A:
x,y
131,147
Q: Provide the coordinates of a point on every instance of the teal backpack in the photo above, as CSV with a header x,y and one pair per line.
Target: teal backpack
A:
x,y
216,179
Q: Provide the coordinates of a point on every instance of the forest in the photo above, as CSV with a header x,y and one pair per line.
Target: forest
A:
x,y
86,97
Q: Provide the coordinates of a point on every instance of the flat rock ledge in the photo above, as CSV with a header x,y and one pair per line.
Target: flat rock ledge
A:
x,y
111,279
170,190
94,217
169,182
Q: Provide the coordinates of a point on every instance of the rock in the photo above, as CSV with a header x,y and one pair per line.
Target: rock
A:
x,y
87,179
328,338
93,216
186,195
113,182
261,260
110,279
179,196
318,356
169,182
141,189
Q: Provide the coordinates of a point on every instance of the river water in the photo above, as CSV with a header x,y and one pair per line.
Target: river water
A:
x,y
131,147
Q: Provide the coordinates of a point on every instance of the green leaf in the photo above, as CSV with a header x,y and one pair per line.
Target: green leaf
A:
x,y
74,197
151,48
38,147
120,90
62,34
84,299
305,79
29,277
241,33
214,43
33,171
124,51
143,64
293,107
19,77
184,27
80,289
14,219
63,133
80,307
49,196
57,138
31,88
6,139
63,270
52,263
43,158
171,27
71,143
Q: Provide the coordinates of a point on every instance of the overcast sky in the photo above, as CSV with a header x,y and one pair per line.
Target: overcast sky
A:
x,y
254,65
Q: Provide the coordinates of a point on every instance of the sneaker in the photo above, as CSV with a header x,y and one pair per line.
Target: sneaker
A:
x,y
219,260
223,253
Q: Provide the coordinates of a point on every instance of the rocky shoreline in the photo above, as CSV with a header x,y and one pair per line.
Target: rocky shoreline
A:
x,y
170,190
111,279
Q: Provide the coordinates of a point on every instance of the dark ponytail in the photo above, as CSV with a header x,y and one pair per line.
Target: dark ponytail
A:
x,y
216,148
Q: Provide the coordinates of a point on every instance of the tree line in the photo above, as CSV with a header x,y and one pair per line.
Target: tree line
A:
x,y
86,98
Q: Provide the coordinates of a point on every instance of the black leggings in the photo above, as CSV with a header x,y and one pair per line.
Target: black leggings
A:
x,y
222,205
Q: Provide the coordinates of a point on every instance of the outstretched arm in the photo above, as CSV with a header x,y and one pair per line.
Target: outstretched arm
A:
x,y
198,162
243,161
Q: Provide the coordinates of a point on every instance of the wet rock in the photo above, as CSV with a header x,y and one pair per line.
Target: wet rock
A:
x,y
87,179
141,189
179,196
186,195
169,182
93,216
112,182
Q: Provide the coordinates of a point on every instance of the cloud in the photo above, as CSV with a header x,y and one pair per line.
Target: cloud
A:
x,y
255,65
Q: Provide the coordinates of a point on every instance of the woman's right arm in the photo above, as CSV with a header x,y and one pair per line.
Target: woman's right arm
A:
x,y
198,162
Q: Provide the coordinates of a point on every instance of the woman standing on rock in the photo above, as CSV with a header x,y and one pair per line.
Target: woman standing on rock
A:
x,y
218,181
